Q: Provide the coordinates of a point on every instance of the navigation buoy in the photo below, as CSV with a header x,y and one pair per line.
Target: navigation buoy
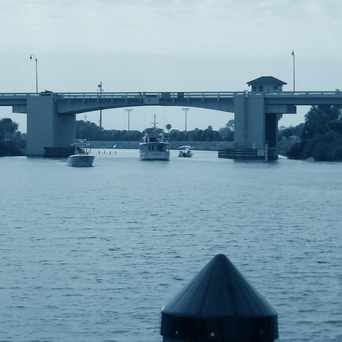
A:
x,y
219,305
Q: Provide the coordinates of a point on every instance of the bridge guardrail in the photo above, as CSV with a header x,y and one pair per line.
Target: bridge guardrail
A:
x,y
17,94
301,93
171,95
161,95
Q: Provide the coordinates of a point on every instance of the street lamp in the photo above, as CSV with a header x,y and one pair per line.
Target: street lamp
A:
x,y
35,59
185,110
128,110
294,69
100,94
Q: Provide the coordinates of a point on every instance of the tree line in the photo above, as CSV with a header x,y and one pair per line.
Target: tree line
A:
x,y
91,131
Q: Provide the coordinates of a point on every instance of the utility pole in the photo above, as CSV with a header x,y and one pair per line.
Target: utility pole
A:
x,y
100,95
35,59
294,69
185,110
128,110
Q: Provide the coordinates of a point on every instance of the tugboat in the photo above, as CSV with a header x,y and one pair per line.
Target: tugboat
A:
x,y
82,157
154,145
185,151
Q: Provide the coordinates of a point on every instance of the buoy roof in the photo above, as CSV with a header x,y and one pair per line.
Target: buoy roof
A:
x,y
219,290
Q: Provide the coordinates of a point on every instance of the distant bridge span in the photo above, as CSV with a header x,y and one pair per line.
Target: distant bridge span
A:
x,y
51,116
81,102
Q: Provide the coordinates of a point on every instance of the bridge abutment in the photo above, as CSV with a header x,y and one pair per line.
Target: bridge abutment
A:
x,y
46,128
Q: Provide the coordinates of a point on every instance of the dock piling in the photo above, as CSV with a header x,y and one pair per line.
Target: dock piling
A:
x,y
219,305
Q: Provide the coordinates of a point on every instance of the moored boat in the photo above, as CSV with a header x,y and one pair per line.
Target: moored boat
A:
x,y
82,158
185,151
154,145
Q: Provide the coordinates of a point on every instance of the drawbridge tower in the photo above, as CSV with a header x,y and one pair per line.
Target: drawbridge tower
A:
x,y
256,127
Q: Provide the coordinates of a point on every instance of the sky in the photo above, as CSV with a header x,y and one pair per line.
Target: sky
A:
x,y
168,45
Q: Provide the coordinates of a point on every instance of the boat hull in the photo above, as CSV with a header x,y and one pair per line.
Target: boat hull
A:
x,y
79,160
151,155
154,151
185,154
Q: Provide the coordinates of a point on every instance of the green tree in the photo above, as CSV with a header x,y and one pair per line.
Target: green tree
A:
x,y
12,142
318,118
7,128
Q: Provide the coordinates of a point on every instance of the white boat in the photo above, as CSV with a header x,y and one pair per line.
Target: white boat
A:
x,y
185,151
154,145
81,159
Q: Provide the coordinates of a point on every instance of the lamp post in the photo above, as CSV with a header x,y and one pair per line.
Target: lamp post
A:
x,y
100,94
35,59
185,110
294,69
128,110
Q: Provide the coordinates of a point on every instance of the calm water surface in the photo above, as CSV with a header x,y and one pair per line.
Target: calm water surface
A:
x,y
93,254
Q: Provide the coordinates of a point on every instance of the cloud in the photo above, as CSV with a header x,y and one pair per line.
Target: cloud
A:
x,y
175,26
174,44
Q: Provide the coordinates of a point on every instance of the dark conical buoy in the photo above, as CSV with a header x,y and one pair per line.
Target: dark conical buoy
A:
x,y
219,305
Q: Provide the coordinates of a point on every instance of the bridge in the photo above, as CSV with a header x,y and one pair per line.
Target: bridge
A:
x,y
51,116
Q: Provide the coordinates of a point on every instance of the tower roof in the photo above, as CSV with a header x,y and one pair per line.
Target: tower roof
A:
x,y
266,80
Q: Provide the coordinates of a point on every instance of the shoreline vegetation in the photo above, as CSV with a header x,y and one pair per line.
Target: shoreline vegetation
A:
x,y
12,142
319,138
92,132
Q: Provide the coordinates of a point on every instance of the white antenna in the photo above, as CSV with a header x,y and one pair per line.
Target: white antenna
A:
x,y
154,121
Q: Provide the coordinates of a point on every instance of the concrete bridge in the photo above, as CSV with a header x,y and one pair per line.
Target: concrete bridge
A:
x,y
51,116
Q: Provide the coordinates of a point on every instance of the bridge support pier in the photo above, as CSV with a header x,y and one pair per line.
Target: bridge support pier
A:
x,y
46,128
255,131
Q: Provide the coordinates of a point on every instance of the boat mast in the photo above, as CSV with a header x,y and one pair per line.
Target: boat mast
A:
x,y
154,121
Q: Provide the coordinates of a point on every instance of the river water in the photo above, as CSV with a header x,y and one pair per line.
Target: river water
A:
x,y
93,254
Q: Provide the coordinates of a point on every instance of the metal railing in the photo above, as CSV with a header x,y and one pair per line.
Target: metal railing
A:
x,y
304,93
160,95
17,94
169,95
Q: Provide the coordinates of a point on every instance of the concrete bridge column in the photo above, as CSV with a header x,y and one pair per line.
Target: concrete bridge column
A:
x,y
45,127
249,112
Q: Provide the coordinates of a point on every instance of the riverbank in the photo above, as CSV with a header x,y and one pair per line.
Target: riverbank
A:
x,y
196,145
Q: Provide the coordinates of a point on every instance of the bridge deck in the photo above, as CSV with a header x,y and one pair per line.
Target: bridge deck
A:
x,y
286,97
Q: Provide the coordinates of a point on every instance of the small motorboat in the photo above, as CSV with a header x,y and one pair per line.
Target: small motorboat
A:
x,y
185,152
82,158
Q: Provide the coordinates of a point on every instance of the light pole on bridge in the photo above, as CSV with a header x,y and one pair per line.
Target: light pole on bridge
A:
x,y
185,110
128,110
100,94
294,69
35,59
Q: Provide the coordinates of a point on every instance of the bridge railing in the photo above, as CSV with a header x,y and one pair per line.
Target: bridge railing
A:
x,y
159,95
304,93
17,94
168,95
